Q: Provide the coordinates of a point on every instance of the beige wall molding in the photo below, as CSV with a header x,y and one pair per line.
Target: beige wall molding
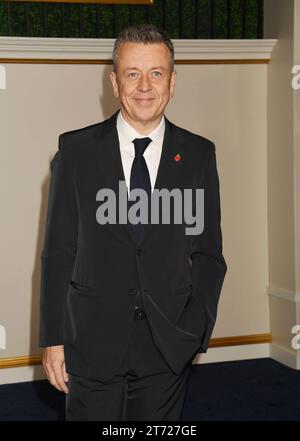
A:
x,y
237,340
26,360
31,360
96,50
291,296
91,61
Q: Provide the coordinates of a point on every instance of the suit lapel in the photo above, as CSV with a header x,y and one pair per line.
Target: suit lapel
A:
x,y
110,162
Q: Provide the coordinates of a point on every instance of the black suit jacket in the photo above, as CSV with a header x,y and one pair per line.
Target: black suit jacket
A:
x,y
91,273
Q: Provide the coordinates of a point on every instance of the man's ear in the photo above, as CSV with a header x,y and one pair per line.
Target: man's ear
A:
x,y
113,79
173,83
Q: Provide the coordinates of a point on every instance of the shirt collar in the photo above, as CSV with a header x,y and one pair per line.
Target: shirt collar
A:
x,y
128,133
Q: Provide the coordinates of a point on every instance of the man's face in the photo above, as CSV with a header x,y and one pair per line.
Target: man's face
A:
x,y
144,82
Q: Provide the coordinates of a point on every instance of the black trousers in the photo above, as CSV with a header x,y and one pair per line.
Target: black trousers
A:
x,y
145,388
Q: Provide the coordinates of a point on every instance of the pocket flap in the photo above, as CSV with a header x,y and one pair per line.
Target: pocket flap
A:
x,y
84,288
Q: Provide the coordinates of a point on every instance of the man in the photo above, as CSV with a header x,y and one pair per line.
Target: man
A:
x,y
125,307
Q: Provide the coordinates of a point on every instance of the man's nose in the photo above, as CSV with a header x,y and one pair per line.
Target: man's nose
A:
x,y
144,83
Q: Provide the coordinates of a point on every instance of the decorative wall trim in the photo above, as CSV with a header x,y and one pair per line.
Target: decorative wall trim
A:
x,y
291,296
99,51
30,360
240,340
27,360
74,61
224,49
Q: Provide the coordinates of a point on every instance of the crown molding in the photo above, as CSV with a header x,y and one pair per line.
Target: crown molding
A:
x,y
97,49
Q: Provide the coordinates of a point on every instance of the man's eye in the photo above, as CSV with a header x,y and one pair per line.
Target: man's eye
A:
x,y
157,73
131,74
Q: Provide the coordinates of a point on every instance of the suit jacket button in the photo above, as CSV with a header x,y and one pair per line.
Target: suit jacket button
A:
x,y
139,251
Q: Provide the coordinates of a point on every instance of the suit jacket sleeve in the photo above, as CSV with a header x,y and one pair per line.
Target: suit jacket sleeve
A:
x,y
59,250
208,266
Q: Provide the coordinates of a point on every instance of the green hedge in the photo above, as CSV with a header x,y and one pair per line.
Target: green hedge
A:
x,y
180,18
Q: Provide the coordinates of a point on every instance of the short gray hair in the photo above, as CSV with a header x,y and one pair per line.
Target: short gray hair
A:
x,y
146,34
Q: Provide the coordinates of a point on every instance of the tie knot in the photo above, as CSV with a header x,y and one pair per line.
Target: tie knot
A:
x,y
140,145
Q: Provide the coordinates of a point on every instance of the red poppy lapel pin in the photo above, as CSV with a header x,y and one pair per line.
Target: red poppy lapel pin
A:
x,y
177,157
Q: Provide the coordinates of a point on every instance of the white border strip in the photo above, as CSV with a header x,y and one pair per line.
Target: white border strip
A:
x,y
291,296
101,49
21,374
233,353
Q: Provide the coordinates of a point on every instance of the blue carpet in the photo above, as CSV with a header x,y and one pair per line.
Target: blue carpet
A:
x,y
260,389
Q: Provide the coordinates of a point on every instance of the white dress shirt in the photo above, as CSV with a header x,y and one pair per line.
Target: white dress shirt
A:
x,y
127,134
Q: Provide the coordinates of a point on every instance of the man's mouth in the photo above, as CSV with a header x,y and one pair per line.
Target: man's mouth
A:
x,y
144,101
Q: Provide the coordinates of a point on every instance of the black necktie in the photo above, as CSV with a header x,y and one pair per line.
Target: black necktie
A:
x,y
139,176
